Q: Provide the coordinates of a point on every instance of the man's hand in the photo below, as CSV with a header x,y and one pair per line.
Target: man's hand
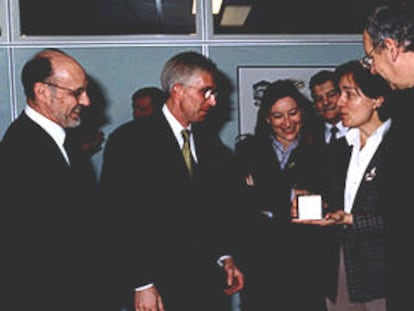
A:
x,y
148,299
235,278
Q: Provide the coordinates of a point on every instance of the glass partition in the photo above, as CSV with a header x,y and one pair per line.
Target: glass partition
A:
x,y
290,17
105,17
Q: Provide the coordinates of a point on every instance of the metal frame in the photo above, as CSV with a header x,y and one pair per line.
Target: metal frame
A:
x,y
204,34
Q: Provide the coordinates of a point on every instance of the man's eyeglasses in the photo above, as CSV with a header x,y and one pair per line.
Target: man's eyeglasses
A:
x,y
331,94
367,60
75,93
207,92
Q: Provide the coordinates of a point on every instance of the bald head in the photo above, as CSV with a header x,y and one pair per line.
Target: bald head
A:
x,y
55,86
43,66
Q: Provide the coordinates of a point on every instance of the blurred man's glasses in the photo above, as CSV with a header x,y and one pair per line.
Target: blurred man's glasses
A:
x,y
207,92
367,60
331,94
75,93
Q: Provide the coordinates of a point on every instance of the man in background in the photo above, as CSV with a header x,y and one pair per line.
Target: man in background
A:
x,y
327,126
145,100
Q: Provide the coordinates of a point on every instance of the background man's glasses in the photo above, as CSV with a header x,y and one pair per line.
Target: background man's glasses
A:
x,y
75,93
331,94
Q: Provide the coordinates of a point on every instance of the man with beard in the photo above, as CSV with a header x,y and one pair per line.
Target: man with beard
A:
x,y
48,230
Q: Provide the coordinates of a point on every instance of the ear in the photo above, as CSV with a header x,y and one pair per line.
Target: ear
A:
x,y
40,90
393,47
177,88
378,102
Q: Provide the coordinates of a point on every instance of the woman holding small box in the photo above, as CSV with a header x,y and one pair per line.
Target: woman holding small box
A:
x,y
357,281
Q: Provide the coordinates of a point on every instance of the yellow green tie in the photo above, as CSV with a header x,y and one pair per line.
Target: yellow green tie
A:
x,y
187,151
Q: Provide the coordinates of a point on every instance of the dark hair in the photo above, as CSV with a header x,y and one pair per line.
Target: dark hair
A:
x,y
392,19
37,69
372,86
275,91
320,78
156,94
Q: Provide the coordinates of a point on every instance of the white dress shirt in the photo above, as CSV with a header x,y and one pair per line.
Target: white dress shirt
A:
x,y
177,128
342,130
360,159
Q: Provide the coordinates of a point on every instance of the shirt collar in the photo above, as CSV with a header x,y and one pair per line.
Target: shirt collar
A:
x,y
338,125
173,122
280,146
353,138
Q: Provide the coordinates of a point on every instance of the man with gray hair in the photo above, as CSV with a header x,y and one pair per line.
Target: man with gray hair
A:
x,y
389,46
174,240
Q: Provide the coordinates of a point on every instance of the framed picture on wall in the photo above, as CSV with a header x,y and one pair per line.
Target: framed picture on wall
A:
x,y
253,80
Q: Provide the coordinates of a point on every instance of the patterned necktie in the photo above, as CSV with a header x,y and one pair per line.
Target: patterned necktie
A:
x,y
187,151
334,130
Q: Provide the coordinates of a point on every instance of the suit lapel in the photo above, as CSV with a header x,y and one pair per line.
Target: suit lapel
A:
x,y
40,135
373,172
165,140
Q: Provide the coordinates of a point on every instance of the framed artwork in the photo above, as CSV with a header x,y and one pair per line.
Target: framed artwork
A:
x,y
253,80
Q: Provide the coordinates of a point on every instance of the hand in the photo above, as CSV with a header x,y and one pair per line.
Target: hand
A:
x,y
235,278
95,145
318,222
335,218
148,299
294,206
340,217
249,180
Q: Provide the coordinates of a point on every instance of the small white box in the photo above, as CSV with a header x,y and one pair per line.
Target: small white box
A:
x,y
309,206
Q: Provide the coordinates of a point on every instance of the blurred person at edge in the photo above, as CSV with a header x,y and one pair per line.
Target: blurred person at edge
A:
x,y
388,39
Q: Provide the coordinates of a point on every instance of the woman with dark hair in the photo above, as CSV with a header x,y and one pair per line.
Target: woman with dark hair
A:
x,y
360,157
283,261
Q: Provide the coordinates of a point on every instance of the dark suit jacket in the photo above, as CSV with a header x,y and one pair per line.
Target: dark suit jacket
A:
x,y
364,241
398,204
315,127
305,169
281,259
168,226
47,259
